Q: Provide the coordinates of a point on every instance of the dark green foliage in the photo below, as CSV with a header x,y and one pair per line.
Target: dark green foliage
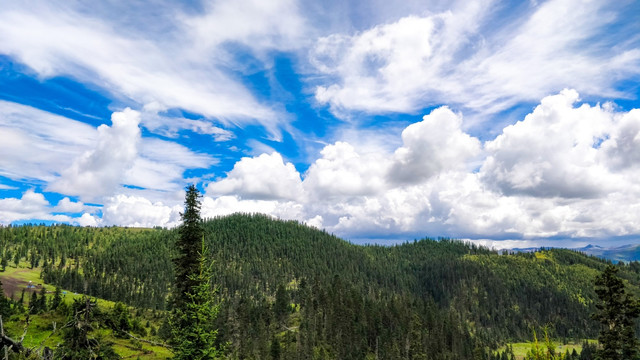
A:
x,y
188,245
430,299
77,343
617,312
5,305
193,335
120,320
34,304
192,325
281,305
275,349
42,300
588,351
56,299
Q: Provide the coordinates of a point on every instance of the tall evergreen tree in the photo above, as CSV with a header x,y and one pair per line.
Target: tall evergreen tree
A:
x,y
617,312
193,316
5,305
57,298
188,246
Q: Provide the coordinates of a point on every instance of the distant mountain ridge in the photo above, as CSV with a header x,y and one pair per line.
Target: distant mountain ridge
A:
x,y
626,253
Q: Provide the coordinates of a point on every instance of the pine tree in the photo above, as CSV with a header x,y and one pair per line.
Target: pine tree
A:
x,y
617,312
77,344
5,305
281,305
57,298
191,233
193,334
42,300
195,309
34,303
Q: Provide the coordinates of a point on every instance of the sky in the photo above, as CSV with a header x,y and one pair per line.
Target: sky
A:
x,y
507,123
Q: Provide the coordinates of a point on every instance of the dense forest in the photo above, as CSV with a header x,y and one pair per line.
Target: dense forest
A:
x,y
288,291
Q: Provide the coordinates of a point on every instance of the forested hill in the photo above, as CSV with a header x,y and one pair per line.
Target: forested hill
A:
x,y
374,298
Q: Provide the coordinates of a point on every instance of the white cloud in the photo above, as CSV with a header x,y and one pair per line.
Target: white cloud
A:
x,y
31,206
66,205
138,211
549,175
432,145
265,177
257,24
88,220
161,164
552,151
229,204
622,148
170,127
342,171
132,61
454,57
77,159
99,171
118,157
36,145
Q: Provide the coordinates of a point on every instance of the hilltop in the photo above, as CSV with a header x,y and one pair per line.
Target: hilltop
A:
x,y
341,300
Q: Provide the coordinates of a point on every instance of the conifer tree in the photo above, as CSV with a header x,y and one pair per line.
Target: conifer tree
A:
x,y
57,298
34,303
77,343
195,309
5,305
617,312
188,246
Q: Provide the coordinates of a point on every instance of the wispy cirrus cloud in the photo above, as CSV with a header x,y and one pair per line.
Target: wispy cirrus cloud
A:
x,y
454,57
35,145
130,60
73,158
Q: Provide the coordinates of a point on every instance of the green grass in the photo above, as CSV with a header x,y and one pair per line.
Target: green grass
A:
x,y
22,272
520,349
41,326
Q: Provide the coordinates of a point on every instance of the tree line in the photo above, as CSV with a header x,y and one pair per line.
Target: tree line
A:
x,y
288,291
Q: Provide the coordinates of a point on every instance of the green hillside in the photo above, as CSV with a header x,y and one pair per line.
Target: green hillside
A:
x,y
433,299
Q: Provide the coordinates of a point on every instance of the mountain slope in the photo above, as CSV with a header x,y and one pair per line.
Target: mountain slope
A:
x,y
371,295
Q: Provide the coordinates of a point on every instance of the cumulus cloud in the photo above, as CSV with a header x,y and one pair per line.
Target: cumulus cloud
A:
x,y
567,169
552,151
88,220
622,148
137,211
120,156
432,145
562,171
31,206
99,171
264,177
342,171
77,159
229,204
66,205
453,57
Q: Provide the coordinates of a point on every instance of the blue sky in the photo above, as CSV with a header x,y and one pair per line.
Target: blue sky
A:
x,y
507,123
